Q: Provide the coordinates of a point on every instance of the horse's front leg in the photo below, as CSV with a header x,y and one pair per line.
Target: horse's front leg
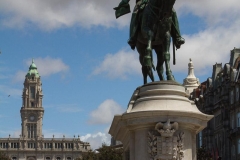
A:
x,y
148,59
166,55
141,48
160,60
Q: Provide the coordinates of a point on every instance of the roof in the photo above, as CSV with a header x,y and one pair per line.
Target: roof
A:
x,y
32,70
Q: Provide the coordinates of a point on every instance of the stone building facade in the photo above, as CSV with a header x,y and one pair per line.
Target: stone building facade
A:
x,y
31,145
219,96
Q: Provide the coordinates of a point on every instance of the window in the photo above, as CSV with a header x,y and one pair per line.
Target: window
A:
x,y
47,145
58,158
32,104
238,119
58,145
69,145
231,97
218,120
238,146
69,158
200,139
31,145
14,158
32,92
48,158
3,145
233,150
14,145
237,94
32,130
232,121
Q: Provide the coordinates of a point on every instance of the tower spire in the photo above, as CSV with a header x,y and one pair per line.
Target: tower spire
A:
x,y
191,82
32,70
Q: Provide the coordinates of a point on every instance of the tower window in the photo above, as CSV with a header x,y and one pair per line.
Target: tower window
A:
x,y
32,104
32,130
32,92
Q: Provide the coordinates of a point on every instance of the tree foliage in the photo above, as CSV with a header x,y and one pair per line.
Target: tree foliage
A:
x,y
104,153
203,154
3,156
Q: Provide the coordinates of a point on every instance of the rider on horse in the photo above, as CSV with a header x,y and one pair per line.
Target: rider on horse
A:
x,y
124,8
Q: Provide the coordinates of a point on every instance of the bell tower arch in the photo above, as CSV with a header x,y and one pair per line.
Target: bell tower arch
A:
x,y
32,110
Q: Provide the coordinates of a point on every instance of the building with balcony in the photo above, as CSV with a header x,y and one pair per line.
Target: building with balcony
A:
x,y
219,96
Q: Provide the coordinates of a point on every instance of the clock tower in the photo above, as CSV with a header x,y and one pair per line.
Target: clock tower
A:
x,y
32,110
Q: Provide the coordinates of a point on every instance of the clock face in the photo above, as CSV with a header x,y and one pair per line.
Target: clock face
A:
x,y
32,118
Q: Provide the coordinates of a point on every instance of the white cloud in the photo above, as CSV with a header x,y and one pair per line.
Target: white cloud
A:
x,y
215,12
45,66
54,14
105,112
208,47
119,65
96,140
16,134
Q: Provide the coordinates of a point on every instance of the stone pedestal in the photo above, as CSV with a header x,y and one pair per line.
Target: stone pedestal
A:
x,y
160,123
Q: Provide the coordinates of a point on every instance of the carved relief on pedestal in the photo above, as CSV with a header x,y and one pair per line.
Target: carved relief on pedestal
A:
x,y
165,143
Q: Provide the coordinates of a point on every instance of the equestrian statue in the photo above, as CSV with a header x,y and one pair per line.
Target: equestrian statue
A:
x,y
153,23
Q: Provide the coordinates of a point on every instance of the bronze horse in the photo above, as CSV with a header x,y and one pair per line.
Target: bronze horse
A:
x,y
156,21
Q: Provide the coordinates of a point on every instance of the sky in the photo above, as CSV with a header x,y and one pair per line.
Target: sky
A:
x,y
87,69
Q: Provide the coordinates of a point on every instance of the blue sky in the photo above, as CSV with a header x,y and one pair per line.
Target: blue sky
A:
x,y
87,69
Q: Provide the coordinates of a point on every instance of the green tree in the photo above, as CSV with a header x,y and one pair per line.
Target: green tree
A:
x,y
203,154
104,153
3,156
110,153
90,155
